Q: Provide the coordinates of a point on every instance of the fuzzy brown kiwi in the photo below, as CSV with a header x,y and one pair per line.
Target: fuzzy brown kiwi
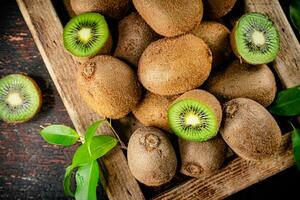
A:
x,y
201,158
175,65
112,8
218,8
109,86
196,115
249,129
217,37
255,82
170,17
134,36
151,156
152,110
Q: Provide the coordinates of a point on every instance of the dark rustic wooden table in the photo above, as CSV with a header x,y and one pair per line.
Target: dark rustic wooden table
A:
x,y
32,169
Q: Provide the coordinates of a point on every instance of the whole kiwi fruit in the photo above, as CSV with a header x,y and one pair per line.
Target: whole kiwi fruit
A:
x,y
109,86
134,36
255,82
111,8
201,158
196,115
152,110
151,156
170,17
175,65
249,129
218,8
217,37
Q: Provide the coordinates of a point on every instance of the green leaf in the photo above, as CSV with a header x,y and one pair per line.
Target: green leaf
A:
x,y
60,135
91,130
295,13
296,146
287,102
99,146
67,180
87,178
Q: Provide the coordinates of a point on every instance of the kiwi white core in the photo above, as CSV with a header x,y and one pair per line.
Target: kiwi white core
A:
x,y
192,119
258,38
14,99
85,34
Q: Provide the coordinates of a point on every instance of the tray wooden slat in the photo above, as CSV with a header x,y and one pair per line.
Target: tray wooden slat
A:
x,y
46,30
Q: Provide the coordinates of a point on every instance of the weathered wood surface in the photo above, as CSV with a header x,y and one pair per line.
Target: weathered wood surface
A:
x,y
46,29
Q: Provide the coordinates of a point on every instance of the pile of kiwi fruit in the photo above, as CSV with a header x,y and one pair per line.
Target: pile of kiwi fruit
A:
x,y
183,72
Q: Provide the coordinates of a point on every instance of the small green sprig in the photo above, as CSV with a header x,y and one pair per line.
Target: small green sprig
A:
x,y
287,103
295,13
84,159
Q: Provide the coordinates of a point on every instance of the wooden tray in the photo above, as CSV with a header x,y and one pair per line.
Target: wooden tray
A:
x,y
46,28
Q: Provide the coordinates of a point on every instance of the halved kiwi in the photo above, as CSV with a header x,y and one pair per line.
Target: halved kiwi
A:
x,y
85,34
20,98
255,39
195,116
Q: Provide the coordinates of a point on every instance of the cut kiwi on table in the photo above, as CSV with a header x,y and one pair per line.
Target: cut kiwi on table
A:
x,y
86,34
195,116
20,98
255,39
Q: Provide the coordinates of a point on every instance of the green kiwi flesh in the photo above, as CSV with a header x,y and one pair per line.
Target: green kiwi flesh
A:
x,y
255,39
192,120
86,34
20,98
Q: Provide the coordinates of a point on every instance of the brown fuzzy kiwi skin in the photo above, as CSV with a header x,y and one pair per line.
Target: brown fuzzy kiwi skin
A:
x,y
218,8
170,17
108,86
217,37
244,80
206,98
40,101
151,156
171,66
249,129
134,36
152,110
201,158
112,8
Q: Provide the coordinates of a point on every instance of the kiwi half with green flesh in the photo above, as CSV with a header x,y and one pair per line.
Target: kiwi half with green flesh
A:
x,y
86,34
217,37
108,86
170,17
151,156
152,110
171,66
196,116
218,8
256,82
249,129
134,36
201,158
255,39
112,8
20,98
